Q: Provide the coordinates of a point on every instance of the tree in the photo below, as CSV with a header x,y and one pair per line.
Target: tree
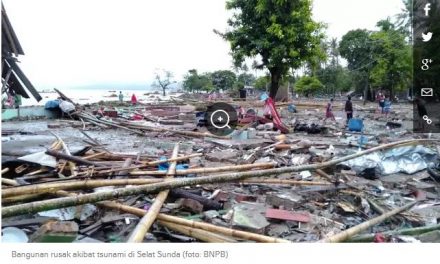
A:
x,y
308,85
163,79
393,54
195,82
223,80
357,48
282,32
404,20
335,79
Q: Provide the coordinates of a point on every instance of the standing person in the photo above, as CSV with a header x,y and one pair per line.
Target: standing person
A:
x,y
121,97
387,106
381,100
349,108
133,99
329,111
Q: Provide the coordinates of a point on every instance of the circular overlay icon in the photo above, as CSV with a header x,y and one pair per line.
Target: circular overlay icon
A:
x,y
222,119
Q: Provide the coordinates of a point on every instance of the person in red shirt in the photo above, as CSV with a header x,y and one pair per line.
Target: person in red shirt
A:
x,y
133,99
329,111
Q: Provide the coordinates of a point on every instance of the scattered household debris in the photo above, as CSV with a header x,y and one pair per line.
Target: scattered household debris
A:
x,y
139,173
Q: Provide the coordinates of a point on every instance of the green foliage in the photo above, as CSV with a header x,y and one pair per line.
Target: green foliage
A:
x,y
261,83
194,82
282,32
393,67
223,80
380,59
308,85
335,78
404,19
356,48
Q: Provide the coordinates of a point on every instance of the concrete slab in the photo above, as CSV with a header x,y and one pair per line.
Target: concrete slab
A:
x,y
249,216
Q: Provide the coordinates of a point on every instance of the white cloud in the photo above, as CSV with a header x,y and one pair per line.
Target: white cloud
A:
x,y
78,42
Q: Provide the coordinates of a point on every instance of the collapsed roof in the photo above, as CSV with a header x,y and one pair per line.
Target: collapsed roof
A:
x,y
12,76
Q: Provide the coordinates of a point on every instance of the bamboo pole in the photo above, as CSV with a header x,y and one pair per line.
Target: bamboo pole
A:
x,y
209,170
9,182
346,234
21,198
324,175
151,163
199,225
185,222
94,155
156,187
406,232
198,233
138,234
157,162
284,182
72,185
89,184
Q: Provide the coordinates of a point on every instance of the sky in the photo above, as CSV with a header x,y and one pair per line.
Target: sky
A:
x,y
86,43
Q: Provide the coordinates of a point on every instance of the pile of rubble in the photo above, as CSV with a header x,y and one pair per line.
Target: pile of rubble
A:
x,y
148,173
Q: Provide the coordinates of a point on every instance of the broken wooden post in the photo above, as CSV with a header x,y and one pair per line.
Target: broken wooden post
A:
x,y
147,220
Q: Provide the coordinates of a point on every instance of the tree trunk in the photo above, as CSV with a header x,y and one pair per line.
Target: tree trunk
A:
x,y
275,76
163,89
366,92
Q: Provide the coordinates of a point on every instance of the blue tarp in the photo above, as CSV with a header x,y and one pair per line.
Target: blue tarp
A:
x,y
53,104
355,125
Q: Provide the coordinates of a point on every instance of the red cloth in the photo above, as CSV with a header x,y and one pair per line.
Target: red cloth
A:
x,y
269,109
133,99
329,112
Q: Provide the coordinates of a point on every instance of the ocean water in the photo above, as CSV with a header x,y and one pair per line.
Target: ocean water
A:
x,y
90,95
